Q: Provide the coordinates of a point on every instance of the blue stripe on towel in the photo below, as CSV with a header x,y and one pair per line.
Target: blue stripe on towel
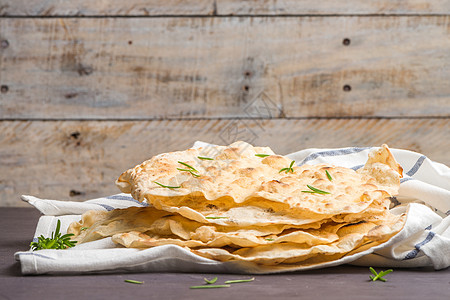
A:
x,y
405,179
337,152
107,207
357,167
416,166
413,253
120,197
126,198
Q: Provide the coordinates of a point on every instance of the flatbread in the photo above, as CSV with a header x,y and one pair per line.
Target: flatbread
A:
x,y
160,228
240,188
351,237
286,249
245,203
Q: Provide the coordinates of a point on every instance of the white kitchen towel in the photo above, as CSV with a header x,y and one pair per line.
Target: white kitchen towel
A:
x,y
424,241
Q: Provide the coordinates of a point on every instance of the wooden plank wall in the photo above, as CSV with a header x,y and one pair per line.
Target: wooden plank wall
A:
x,y
91,88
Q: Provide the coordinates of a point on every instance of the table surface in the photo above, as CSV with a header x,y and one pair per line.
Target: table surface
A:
x,y
343,282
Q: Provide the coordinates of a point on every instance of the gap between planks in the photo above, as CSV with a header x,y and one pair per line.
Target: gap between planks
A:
x,y
223,16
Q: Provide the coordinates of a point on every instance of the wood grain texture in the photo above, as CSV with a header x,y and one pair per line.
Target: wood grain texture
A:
x,y
79,160
331,7
106,8
218,7
157,68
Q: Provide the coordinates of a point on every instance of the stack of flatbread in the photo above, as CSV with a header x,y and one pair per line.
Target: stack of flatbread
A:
x,y
245,203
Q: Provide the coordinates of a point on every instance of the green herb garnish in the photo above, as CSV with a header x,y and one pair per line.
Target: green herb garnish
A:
x,y
289,169
190,171
205,158
216,217
56,241
209,286
329,176
262,155
315,190
167,186
270,240
189,166
83,228
239,280
210,281
134,281
379,276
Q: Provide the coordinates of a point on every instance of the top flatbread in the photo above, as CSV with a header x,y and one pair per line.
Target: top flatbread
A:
x,y
237,187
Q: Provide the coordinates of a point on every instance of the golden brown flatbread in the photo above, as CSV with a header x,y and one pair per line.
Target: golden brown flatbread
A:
x,y
245,203
238,187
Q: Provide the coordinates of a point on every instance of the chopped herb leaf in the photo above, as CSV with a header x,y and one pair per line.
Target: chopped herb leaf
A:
x,y
270,240
167,186
209,286
239,280
83,228
262,155
216,217
189,166
289,169
329,175
379,276
205,158
134,281
315,190
210,281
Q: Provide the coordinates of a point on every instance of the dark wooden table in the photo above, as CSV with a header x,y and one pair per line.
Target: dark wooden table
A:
x,y
344,282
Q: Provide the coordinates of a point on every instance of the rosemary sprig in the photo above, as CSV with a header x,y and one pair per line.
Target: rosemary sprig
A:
x,y
315,190
262,155
133,281
189,166
270,240
56,241
239,280
210,286
167,186
372,270
205,158
216,217
190,171
329,176
289,169
210,281
379,276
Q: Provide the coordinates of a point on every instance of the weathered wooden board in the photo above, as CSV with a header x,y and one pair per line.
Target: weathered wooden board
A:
x,y
152,68
81,159
218,7
108,8
296,7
